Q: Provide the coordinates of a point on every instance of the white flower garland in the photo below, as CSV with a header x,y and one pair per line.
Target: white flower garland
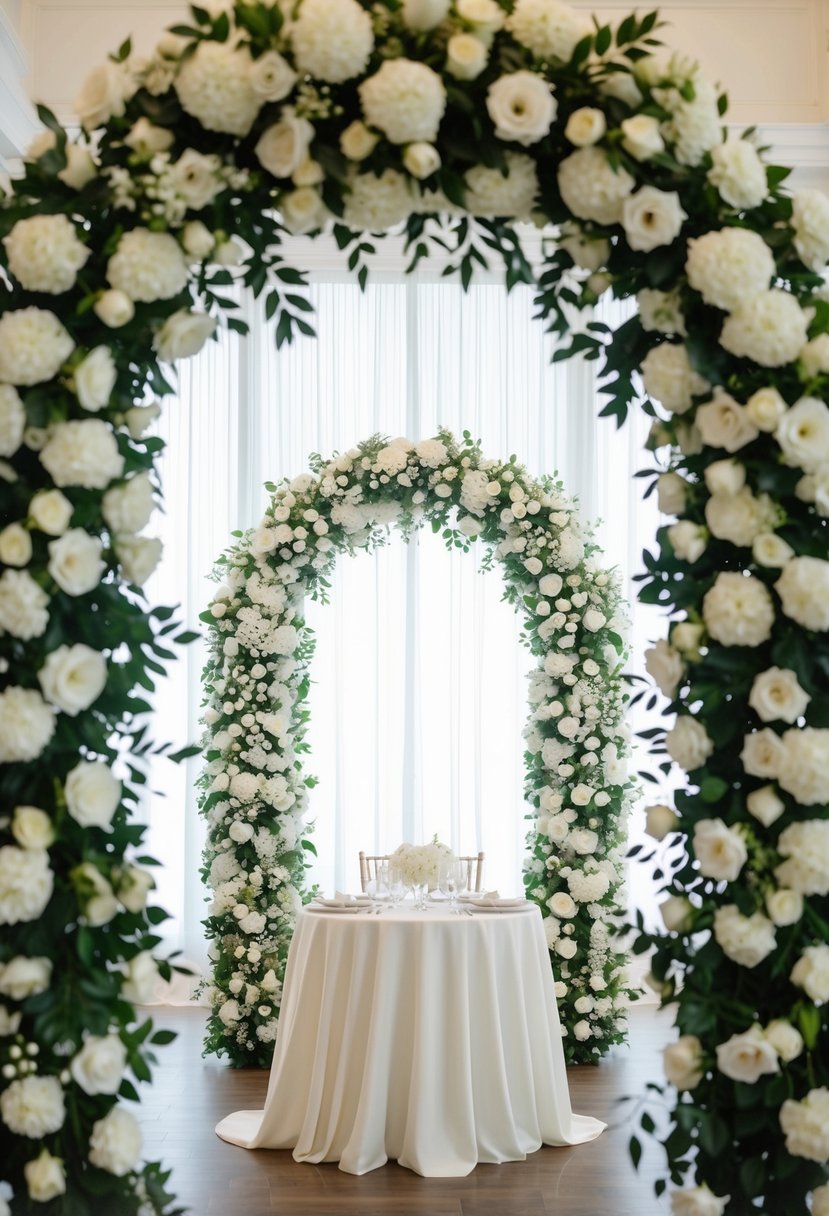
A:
x,y
255,786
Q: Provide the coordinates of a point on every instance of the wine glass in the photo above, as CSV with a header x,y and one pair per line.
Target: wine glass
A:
x,y
451,879
396,885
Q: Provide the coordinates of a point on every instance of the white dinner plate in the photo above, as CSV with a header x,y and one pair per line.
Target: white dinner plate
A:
x,y
339,907
518,905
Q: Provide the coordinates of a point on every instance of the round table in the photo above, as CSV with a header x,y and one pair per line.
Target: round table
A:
x,y
426,1037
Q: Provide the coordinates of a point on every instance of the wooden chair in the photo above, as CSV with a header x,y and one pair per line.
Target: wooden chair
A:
x,y
474,869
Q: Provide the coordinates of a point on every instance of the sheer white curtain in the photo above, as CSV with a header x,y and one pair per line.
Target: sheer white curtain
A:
x,y
419,695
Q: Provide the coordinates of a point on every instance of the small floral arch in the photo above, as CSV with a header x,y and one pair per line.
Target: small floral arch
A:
x,y
255,785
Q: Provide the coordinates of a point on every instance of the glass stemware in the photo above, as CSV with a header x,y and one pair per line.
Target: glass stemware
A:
x,y
451,880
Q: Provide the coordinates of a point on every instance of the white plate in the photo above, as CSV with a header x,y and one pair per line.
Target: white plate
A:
x,y
339,907
518,906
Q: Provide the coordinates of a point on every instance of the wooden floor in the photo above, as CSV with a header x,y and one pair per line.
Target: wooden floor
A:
x,y
189,1096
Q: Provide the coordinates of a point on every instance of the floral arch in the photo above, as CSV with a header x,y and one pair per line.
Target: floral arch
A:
x,y
454,119
256,680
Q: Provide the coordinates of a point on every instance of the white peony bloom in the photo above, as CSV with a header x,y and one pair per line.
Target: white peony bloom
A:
x,y
688,743
127,507
140,978
746,940
811,973
803,434
73,677
669,377
490,193
661,820
651,218
585,126
27,724
591,188
283,147
810,218
82,453
12,420
688,540
805,845
183,335
769,329
22,977
33,346
804,765
784,906
375,203
762,753
99,1066
776,696
682,1062
103,95
94,379
332,39
724,423
739,518
738,610
729,267
721,851
32,828
747,1056
548,28
522,107
765,805
665,667
115,1143
75,561
803,588
50,512
92,794
805,1125
45,254
214,85
148,266
405,100
23,605
45,1177
738,174
33,1107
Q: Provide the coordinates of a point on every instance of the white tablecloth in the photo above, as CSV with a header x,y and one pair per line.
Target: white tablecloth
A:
x,y
425,1037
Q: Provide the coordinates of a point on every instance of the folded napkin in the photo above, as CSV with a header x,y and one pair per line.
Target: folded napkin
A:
x,y
492,899
342,899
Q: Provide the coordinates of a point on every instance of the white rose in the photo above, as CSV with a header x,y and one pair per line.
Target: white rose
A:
x,y
302,210
665,667
15,545
23,977
32,828
786,1041
50,512
82,453
95,894
139,417
33,1107
765,805
593,620
660,821
92,794
140,979
99,1066
739,518
762,753
803,434
75,561
677,914
746,940
562,905
421,160
271,76
806,1126
357,142
806,846
765,409
776,696
688,540
33,346
45,1177
133,887
671,493
103,95
183,334
591,188
784,906
652,218
641,137
738,611
197,240
803,588
566,947
127,507
284,146
820,1200
73,677
660,311
95,378
423,15
810,218
748,1056
27,724
686,637
585,126
466,56
738,174
115,1143
145,138
724,423
669,378
682,1062
814,358
811,973
240,832
138,557
725,477
721,851
486,16
771,551
770,329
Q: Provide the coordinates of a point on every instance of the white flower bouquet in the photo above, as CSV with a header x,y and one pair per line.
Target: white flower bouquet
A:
x,y
419,864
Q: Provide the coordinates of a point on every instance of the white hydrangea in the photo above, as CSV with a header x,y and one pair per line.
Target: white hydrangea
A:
x,y
489,192
332,39
23,605
27,724
550,29
214,85
33,346
738,174
375,203
45,253
115,1143
803,588
694,126
805,1125
810,218
12,420
148,266
771,328
128,507
33,1107
804,765
729,267
738,611
669,378
805,846
591,188
83,452
26,884
405,100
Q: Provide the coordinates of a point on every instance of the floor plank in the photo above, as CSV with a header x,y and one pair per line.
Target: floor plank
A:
x,y
190,1095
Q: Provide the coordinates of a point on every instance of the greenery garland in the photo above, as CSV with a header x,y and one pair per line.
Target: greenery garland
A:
x,y
256,681
453,118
